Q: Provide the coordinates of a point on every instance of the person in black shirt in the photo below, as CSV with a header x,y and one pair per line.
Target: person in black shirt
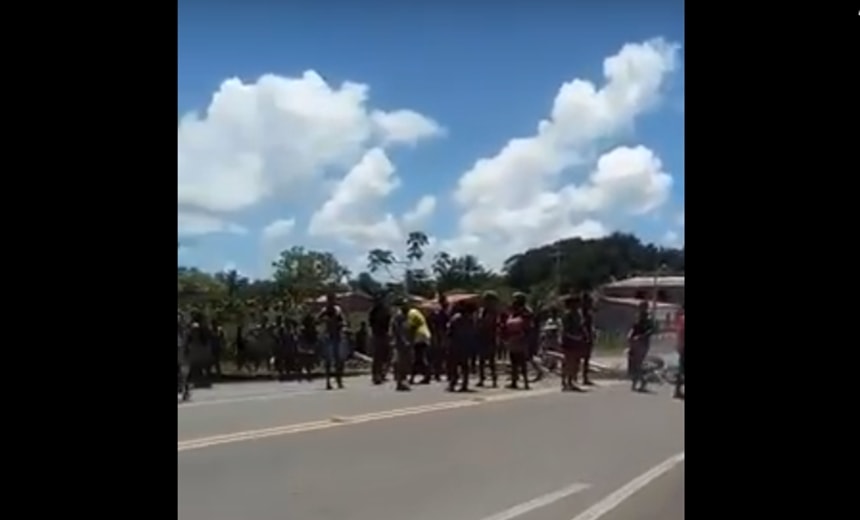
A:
x,y
487,338
587,311
639,339
572,340
462,332
681,331
197,348
438,337
183,386
307,345
361,338
379,319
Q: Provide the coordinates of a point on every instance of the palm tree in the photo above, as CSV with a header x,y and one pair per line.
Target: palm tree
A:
x,y
380,259
415,244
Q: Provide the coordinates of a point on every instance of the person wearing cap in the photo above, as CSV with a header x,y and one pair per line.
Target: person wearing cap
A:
x,y
639,340
518,329
487,337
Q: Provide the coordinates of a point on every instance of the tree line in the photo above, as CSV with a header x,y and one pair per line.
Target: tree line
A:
x,y
300,274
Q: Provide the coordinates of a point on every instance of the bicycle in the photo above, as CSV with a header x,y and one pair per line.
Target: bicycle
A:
x,y
657,371
548,360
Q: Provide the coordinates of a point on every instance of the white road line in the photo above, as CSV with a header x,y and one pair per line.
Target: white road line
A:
x,y
612,501
298,393
537,503
259,397
338,421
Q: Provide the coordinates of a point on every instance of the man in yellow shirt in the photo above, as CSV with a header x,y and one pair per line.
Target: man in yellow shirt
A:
x,y
418,337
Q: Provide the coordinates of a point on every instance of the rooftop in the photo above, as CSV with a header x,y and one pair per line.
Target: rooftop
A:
x,y
647,282
633,302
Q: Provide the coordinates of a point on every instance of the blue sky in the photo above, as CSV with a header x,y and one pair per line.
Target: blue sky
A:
x,y
369,121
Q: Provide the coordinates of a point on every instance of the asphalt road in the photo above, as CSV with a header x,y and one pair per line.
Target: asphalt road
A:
x,y
607,454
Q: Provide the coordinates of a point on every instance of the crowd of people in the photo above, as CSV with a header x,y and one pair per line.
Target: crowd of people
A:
x,y
451,343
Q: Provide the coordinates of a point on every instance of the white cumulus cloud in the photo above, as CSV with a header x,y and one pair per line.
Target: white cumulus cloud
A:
x,y
404,126
350,215
271,137
417,216
278,229
275,137
629,179
274,238
200,223
518,198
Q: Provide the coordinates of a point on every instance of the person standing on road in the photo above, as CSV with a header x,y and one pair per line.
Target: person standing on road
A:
x,y
587,311
334,345
463,337
219,340
639,343
403,349
418,334
680,384
518,331
197,347
380,326
488,337
534,346
183,385
572,343
361,337
306,355
439,337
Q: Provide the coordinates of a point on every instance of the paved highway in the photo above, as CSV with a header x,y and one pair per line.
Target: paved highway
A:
x,y
293,452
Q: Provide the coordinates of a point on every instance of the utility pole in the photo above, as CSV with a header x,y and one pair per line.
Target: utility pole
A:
x,y
657,273
406,281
